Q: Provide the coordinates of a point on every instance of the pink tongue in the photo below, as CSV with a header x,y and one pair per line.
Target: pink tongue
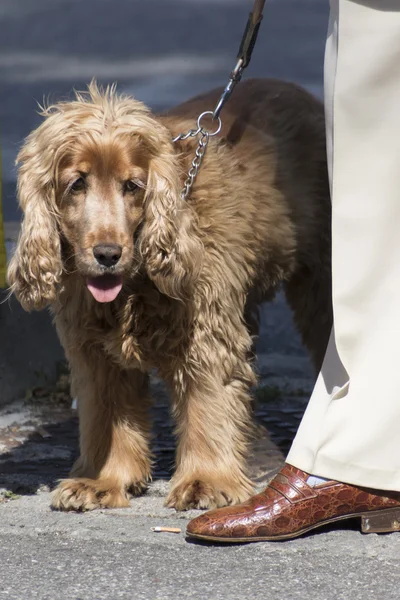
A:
x,y
105,288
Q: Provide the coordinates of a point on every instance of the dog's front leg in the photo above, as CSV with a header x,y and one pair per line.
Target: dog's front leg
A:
x,y
212,409
115,460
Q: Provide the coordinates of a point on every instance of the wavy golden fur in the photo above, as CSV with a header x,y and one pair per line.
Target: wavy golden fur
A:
x,y
99,183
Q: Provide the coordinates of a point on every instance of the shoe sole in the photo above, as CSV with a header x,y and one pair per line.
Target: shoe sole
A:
x,y
377,521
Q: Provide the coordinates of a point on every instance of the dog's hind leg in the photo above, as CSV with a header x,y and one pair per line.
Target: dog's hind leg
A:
x,y
309,295
115,460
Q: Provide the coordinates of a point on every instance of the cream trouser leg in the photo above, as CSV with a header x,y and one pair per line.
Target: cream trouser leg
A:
x,y
351,429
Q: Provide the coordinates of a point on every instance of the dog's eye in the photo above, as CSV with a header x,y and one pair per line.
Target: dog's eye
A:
x,y
78,185
130,186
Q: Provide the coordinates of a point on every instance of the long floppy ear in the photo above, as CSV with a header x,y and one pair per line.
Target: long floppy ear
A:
x,y
35,269
169,242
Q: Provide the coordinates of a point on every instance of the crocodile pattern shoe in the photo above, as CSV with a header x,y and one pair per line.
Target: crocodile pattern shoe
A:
x,y
289,507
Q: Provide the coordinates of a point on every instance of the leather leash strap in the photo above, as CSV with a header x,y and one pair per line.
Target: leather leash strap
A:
x,y
250,33
244,55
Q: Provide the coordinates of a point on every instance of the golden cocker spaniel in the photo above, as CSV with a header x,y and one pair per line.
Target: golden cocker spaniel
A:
x,y
137,277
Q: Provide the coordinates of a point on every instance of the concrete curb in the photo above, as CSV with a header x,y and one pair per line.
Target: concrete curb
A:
x,y
30,354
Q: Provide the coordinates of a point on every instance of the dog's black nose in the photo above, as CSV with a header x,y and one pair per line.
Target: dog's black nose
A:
x,y
107,255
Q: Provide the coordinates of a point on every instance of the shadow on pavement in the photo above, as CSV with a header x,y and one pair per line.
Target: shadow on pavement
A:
x,y
42,448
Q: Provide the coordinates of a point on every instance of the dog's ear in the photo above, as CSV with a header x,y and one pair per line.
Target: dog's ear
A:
x,y
35,269
169,243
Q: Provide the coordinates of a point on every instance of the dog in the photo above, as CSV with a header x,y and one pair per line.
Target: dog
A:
x,y
138,277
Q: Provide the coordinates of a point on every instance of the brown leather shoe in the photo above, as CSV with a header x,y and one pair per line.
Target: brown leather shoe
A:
x,y
289,507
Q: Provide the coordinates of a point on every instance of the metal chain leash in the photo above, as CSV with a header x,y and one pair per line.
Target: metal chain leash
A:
x,y
196,162
200,150
244,56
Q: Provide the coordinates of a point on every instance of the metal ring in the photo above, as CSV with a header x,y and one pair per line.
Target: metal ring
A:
x,y
209,112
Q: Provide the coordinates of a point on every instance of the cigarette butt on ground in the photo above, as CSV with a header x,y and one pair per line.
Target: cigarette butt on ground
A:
x,y
166,529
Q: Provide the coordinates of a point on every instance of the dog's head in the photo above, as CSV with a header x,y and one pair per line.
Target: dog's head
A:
x,y
99,186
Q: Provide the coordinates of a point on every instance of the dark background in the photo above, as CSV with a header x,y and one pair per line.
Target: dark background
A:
x,y
161,51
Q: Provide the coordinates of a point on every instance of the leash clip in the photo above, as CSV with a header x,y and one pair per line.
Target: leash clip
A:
x,y
235,77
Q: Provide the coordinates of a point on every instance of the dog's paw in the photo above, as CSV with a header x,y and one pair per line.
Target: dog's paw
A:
x,y
83,494
203,494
